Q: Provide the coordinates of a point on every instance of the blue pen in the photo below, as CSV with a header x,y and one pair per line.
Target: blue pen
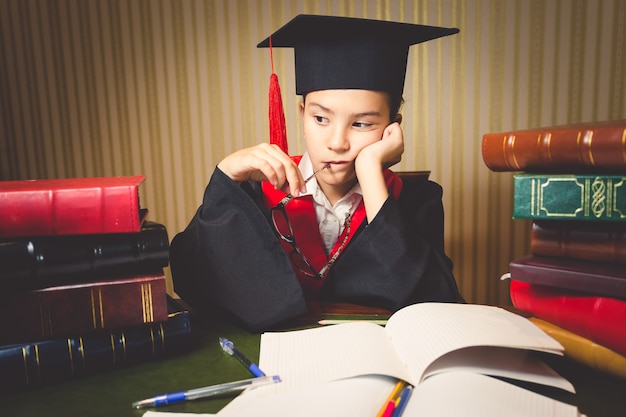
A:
x,y
404,399
229,347
196,393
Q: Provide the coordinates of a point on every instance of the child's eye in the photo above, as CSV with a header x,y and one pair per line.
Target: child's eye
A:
x,y
321,119
362,125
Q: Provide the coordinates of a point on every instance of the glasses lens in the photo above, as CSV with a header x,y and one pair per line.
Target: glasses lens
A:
x,y
303,265
281,224
283,229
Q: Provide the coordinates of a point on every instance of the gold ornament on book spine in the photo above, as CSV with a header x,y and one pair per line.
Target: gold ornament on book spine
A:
x,y
599,197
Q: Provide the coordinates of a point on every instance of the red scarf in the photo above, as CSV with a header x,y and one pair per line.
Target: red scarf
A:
x,y
301,213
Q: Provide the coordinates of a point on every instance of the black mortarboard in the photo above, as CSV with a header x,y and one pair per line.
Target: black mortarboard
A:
x,y
351,53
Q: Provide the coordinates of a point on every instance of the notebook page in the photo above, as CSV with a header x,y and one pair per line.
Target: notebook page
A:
x,y
423,332
477,395
353,397
323,354
517,364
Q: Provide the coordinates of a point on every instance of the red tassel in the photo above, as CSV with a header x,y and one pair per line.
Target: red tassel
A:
x,y
278,127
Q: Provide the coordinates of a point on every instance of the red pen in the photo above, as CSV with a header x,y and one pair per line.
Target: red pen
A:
x,y
388,411
390,403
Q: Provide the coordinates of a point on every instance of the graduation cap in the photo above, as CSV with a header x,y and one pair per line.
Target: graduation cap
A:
x,y
348,53
345,53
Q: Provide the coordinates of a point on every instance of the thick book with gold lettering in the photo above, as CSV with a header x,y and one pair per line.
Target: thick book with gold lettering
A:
x,y
70,206
597,318
575,148
591,241
569,197
41,261
31,364
88,307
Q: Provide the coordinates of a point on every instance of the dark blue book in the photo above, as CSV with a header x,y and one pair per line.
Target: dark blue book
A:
x,y
28,365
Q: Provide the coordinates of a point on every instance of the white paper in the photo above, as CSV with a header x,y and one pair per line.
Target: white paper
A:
x,y
444,395
413,339
501,362
354,397
421,333
474,395
324,354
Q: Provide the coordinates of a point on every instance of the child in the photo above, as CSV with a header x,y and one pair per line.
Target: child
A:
x,y
334,224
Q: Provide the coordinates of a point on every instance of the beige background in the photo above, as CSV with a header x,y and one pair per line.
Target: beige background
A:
x,y
166,88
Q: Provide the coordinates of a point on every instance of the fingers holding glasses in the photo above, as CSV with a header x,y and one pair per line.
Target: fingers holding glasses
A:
x,y
263,162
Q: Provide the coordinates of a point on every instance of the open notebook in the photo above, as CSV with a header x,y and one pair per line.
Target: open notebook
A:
x,y
449,352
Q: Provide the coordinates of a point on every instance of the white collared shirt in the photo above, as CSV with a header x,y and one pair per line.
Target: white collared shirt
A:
x,y
331,219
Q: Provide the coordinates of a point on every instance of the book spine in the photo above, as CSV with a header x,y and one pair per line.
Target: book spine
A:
x,y
585,351
37,262
605,242
40,363
569,197
83,308
600,319
576,148
70,207
597,278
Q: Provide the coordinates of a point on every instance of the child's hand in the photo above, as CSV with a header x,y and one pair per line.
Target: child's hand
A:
x,y
264,162
385,152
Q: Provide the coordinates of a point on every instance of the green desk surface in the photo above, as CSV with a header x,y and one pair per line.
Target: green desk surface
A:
x,y
111,393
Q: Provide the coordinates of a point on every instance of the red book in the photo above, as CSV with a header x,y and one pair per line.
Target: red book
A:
x,y
70,206
600,319
598,241
67,310
599,278
574,148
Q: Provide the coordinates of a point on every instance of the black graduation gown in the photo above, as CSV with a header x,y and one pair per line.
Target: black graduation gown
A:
x,y
229,260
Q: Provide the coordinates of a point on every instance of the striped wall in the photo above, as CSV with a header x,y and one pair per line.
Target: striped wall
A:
x,y
166,88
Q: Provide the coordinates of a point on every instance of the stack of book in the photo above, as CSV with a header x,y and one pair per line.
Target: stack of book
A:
x,y
570,180
82,270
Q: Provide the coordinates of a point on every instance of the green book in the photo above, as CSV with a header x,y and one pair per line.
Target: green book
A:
x,y
569,197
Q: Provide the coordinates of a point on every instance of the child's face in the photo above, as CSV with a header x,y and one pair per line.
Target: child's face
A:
x,y
337,125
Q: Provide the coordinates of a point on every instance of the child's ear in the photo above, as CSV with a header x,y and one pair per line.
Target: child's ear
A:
x,y
301,107
398,118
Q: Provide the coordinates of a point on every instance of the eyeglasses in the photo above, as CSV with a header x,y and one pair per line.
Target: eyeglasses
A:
x,y
284,230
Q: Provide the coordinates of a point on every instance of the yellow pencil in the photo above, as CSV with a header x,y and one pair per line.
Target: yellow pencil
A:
x,y
392,397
